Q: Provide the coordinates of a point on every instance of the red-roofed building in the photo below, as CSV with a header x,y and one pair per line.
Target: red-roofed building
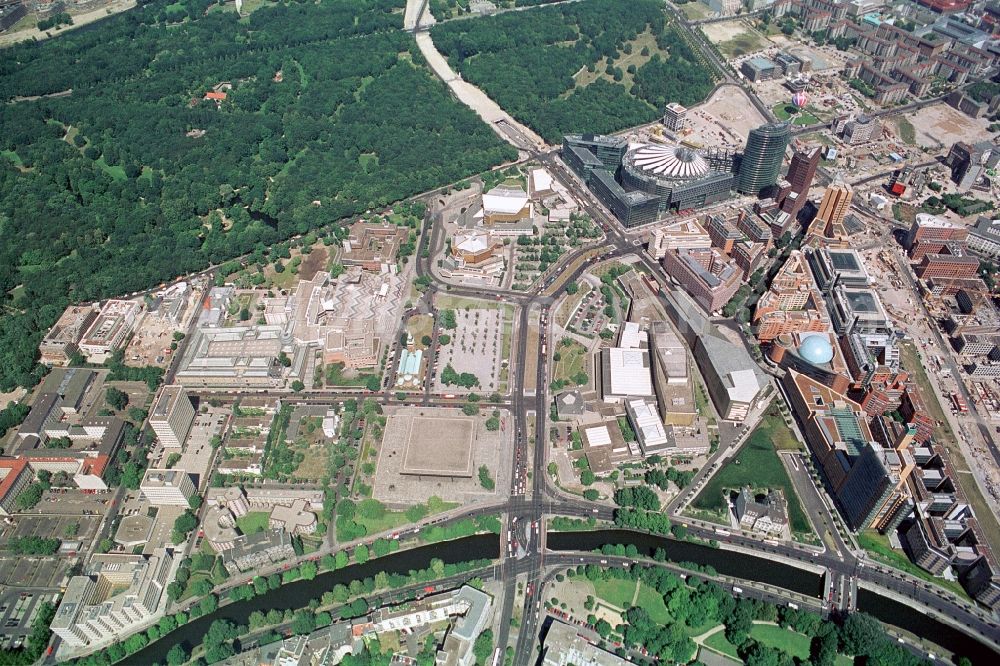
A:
x,y
87,472
90,476
215,96
911,406
945,6
15,476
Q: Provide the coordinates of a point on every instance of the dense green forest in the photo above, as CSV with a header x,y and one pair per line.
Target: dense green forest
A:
x,y
128,177
541,65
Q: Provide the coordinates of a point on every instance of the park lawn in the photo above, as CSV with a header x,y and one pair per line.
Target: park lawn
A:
x,y
570,303
645,40
652,602
756,465
335,376
790,642
508,332
817,137
907,132
195,577
116,172
784,111
702,403
250,6
806,118
619,592
13,157
695,10
464,303
418,326
389,520
285,279
572,360
368,161
253,522
782,436
616,591
393,519
741,44
718,643
700,629
314,462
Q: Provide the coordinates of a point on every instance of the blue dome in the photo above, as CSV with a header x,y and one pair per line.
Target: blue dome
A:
x,y
816,349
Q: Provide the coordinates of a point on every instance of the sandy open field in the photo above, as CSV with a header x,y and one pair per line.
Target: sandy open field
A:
x,y
724,30
942,125
725,119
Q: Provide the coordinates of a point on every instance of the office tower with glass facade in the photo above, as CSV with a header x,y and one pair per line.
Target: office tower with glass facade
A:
x,y
762,158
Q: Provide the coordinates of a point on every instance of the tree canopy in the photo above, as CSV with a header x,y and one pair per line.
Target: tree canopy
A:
x,y
528,62
123,176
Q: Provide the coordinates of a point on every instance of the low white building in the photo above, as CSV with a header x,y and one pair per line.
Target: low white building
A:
x,y
649,429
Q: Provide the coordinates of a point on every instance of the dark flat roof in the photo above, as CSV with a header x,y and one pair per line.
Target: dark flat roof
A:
x,y
862,301
844,260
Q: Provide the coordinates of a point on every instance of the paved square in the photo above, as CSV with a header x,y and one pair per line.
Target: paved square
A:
x,y
440,446
437,451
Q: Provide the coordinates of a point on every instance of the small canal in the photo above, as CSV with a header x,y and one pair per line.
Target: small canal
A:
x,y
763,570
297,595
728,563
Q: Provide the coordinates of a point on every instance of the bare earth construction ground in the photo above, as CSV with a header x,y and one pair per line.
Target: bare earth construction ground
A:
x,y
725,119
941,125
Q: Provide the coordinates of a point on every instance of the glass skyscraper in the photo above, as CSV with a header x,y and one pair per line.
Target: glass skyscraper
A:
x,y
763,156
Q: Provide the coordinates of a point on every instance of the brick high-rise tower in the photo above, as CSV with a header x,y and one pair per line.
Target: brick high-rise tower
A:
x,y
800,176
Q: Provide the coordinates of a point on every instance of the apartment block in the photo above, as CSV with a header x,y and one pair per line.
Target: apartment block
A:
x,y
930,233
723,233
706,274
675,236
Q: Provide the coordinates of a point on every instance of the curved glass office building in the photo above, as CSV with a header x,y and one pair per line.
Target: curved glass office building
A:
x,y
765,151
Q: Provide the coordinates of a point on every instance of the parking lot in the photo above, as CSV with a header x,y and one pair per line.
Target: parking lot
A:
x,y
17,611
65,527
478,345
33,571
588,317
70,502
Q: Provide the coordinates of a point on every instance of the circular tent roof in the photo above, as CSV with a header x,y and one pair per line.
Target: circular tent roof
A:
x,y
816,349
671,162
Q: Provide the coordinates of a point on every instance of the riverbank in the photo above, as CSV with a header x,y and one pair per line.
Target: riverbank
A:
x,y
743,565
295,595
